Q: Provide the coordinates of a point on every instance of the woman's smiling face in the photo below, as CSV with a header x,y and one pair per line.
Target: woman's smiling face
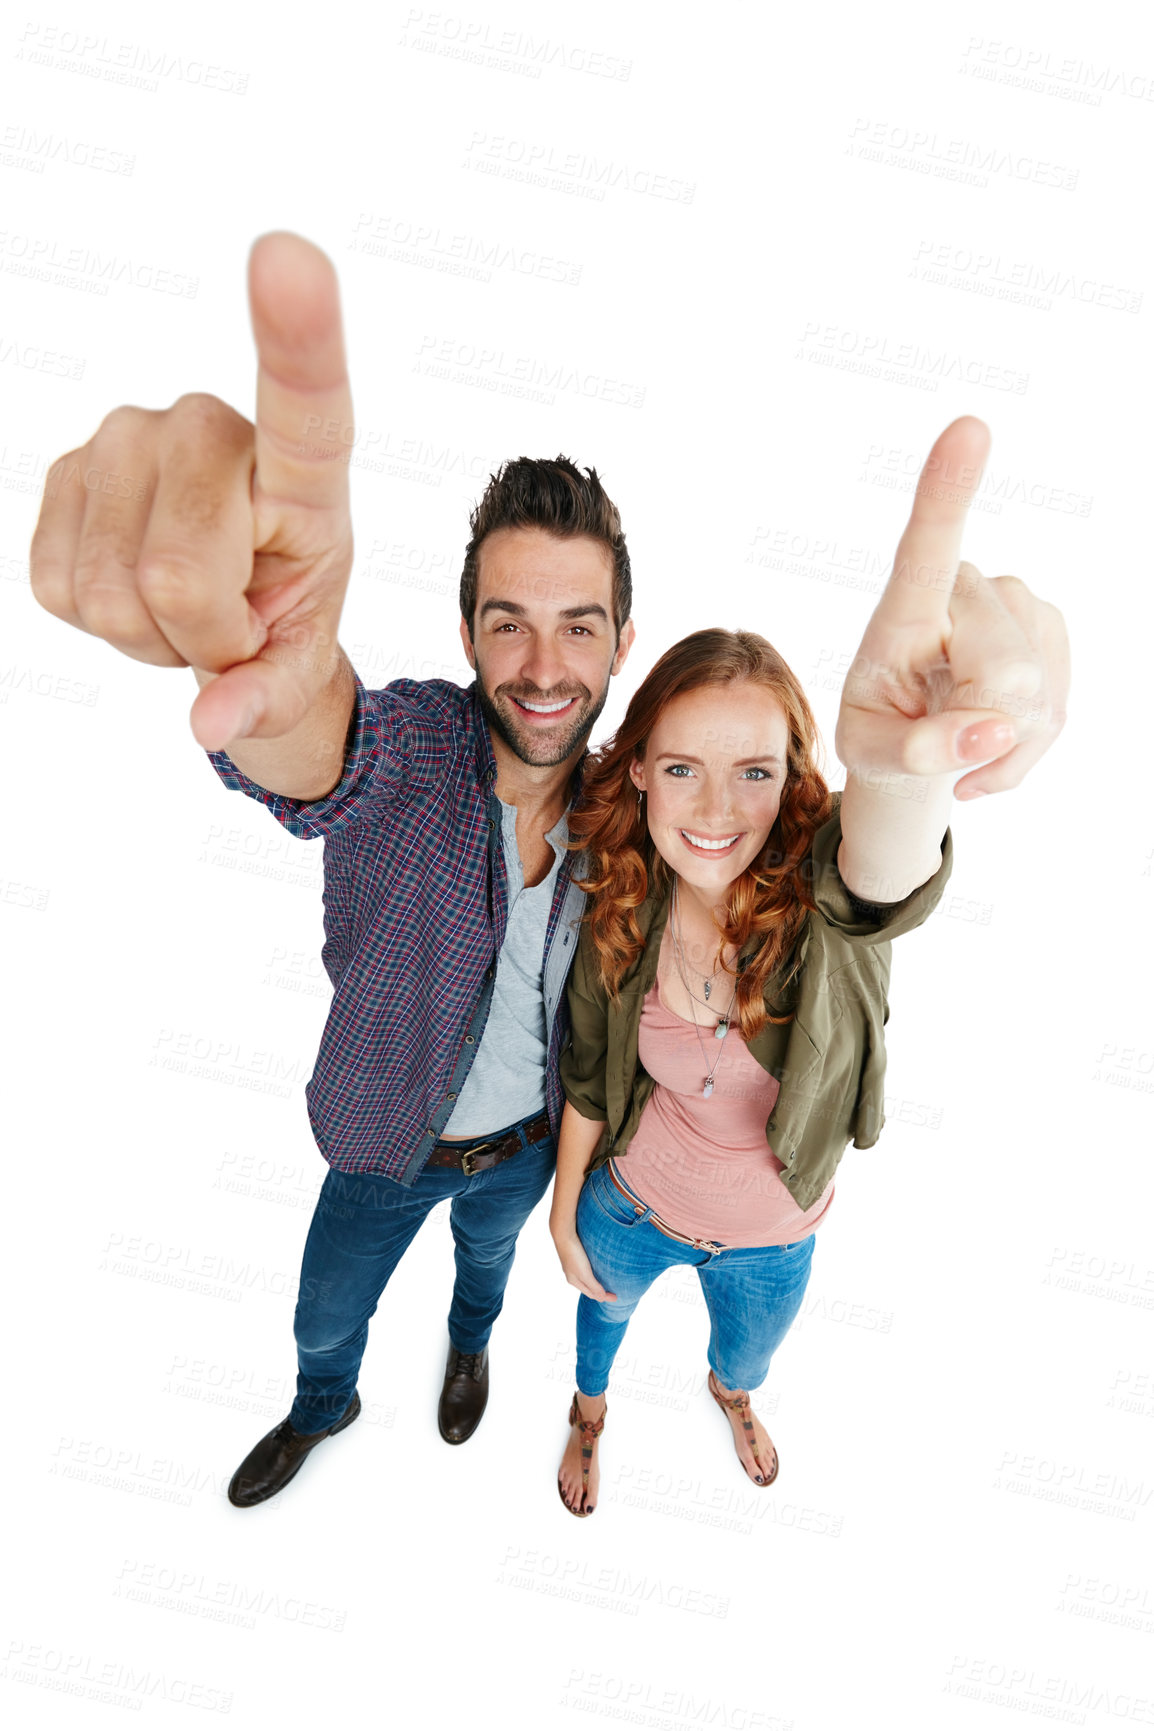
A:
x,y
713,773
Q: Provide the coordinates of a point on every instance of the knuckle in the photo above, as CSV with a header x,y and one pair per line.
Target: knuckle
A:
x,y
112,612
200,416
64,469
170,584
197,404
127,419
100,557
50,587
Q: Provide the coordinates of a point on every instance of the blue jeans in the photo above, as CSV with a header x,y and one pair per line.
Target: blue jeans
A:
x,y
362,1226
752,1295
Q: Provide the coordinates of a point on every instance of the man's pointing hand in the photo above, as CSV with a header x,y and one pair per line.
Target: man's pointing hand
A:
x,y
230,549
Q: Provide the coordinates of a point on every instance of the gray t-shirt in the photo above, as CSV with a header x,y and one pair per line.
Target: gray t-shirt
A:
x,y
507,1079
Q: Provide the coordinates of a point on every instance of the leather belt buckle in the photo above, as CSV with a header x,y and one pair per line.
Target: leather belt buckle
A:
x,y
470,1155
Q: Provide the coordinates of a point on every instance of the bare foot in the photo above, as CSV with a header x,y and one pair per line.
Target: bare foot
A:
x,y
591,1407
761,1470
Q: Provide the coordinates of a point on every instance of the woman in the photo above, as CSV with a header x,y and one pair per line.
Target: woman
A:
x,y
728,1000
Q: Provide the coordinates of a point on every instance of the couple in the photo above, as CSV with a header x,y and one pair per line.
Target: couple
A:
x,y
691,1038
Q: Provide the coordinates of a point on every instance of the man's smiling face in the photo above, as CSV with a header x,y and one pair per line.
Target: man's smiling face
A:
x,y
544,644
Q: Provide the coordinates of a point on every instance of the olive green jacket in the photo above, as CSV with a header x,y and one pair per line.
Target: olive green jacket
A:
x,y
829,1058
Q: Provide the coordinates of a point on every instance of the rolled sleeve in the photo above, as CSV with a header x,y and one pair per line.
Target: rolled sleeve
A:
x,y
375,772
582,1065
866,922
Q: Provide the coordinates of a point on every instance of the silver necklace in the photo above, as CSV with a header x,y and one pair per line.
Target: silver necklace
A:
x,y
722,1027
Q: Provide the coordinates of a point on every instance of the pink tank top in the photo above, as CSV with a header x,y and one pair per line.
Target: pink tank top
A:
x,y
704,1165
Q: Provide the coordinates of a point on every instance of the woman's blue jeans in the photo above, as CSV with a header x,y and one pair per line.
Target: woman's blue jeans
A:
x,y
752,1296
362,1226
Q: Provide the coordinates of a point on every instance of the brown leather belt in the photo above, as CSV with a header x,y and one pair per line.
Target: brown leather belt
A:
x,y
479,1156
656,1220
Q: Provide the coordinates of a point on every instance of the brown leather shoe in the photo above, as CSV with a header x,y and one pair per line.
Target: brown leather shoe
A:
x,y
278,1457
465,1394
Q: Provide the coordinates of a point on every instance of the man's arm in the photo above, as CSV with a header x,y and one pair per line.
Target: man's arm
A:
x,y
231,552
308,761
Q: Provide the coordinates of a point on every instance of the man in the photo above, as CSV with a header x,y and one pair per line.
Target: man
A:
x,y
450,906
451,912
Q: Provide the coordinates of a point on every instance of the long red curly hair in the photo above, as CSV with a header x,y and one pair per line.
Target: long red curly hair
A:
x,y
772,896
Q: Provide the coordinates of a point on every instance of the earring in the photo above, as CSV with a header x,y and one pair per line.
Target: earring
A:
x,y
640,797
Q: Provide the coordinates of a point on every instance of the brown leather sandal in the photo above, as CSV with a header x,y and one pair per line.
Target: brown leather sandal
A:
x,y
740,1403
590,1430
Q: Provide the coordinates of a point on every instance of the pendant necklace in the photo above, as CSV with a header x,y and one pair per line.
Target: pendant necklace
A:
x,y
722,1027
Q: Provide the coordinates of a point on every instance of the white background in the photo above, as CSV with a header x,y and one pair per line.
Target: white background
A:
x,y
761,259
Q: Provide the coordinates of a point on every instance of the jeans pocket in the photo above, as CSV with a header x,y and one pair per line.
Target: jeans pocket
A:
x,y
610,1201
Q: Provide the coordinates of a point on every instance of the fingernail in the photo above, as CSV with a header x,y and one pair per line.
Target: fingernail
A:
x,y
984,740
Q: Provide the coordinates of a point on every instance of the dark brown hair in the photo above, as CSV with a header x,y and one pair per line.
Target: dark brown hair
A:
x,y
770,899
552,494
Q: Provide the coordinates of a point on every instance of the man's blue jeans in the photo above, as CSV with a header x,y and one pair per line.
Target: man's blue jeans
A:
x,y
362,1226
752,1295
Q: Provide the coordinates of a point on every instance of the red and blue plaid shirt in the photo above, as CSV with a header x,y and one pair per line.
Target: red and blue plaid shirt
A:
x,y
415,905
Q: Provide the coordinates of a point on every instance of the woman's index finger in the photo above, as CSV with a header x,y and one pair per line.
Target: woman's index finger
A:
x,y
930,549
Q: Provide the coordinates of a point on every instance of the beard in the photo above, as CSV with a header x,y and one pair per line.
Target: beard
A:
x,y
532,745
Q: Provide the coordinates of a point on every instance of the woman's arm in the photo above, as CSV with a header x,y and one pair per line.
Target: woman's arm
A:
x,y
578,1138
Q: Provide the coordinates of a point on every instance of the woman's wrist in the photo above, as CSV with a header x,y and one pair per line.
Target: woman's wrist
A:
x,y
563,1227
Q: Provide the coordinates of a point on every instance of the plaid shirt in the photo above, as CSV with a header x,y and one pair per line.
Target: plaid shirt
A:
x,y
416,900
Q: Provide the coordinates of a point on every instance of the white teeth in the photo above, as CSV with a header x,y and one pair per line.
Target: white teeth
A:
x,y
701,841
544,708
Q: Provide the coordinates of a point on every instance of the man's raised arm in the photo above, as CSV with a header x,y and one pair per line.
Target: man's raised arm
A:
x,y
231,555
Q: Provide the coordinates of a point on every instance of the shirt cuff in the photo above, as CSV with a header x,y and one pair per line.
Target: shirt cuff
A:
x,y
310,819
